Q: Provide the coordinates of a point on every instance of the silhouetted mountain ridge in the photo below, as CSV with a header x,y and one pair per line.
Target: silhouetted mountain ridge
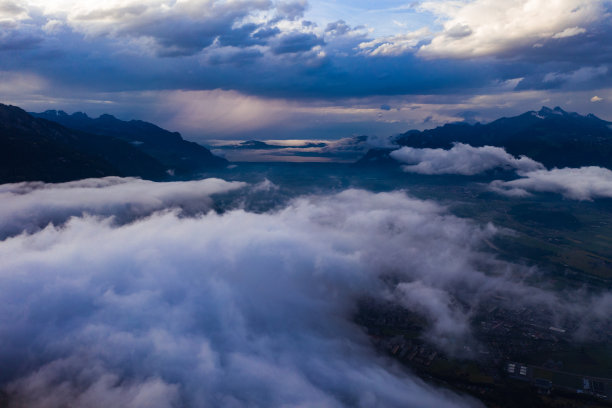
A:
x,y
553,137
38,149
181,156
259,145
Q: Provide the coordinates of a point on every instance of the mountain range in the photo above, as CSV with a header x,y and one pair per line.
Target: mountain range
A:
x,y
553,137
37,148
259,145
54,146
180,156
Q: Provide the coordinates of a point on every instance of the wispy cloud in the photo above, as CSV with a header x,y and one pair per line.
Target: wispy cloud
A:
x,y
461,159
584,183
30,206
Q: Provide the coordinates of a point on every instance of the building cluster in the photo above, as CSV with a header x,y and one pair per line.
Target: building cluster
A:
x,y
503,337
408,350
546,380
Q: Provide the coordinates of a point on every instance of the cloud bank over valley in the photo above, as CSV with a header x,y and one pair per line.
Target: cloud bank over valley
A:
x,y
30,206
581,183
237,308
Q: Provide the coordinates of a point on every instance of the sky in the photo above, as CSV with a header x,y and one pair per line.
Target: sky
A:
x,y
298,69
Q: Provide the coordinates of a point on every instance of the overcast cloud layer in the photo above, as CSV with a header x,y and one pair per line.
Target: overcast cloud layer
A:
x,y
241,309
285,63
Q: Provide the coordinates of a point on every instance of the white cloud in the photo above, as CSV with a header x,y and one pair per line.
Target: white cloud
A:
x,y
265,186
239,308
395,45
584,183
461,159
92,386
490,27
12,12
53,26
448,322
570,32
32,205
596,99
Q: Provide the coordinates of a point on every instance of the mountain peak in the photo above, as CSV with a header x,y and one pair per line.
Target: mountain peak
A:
x,y
553,137
106,116
545,112
40,148
10,113
168,148
558,109
53,112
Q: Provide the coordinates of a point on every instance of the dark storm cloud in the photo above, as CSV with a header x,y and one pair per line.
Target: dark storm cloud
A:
x,y
338,28
291,72
567,77
264,33
267,49
345,76
296,42
202,39
241,37
13,40
238,57
180,29
188,40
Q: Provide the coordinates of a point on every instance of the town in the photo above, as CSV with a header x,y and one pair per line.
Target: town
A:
x,y
513,352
